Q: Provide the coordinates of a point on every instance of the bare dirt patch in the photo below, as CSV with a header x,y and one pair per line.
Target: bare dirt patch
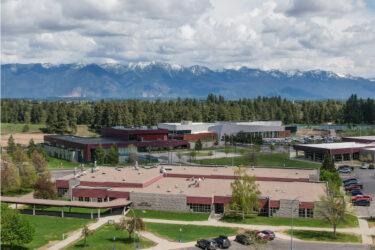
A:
x,y
23,138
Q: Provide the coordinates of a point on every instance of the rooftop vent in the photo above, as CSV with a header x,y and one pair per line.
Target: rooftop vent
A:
x,y
93,176
169,190
158,185
176,186
123,179
103,173
181,191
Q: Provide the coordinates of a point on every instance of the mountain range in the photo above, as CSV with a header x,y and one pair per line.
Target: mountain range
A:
x,y
163,80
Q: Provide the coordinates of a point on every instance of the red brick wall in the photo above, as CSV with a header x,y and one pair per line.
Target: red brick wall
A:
x,y
118,194
62,183
110,184
306,205
199,200
93,193
201,136
274,203
151,137
153,180
222,199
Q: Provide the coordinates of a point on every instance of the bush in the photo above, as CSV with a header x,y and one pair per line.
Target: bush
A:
x,y
26,128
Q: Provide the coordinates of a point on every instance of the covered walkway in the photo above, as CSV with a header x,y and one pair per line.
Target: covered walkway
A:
x,y
117,203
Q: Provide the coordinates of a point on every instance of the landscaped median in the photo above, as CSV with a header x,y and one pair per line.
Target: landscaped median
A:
x,y
311,235
166,215
297,222
188,232
107,237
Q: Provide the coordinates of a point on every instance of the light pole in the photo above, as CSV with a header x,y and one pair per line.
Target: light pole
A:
x,y
180,240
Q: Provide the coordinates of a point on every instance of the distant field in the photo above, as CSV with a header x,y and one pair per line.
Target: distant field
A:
x,y
265,160
83,130
12,128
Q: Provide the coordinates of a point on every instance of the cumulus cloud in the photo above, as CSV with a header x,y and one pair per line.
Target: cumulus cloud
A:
x,y
336,35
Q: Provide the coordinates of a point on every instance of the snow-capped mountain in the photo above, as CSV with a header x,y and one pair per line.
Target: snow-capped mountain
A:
x,y
163,80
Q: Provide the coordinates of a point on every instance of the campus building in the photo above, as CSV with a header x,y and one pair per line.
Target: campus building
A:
x,y
350,149
200,130
195,188
82,149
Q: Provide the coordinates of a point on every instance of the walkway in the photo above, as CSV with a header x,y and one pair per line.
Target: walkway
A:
x,y
366,232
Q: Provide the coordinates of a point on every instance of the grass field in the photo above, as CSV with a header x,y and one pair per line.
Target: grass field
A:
x,y
189,232
103,239
66,209
165,215
12,128
265,160
199,154
18,193
371,222
51,228
83,130
56,163
297,222
325,236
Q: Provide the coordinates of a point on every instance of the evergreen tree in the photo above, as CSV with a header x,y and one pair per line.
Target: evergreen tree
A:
x,y
52,119
31,147
11,145
198,145
99,154
113,155
328,163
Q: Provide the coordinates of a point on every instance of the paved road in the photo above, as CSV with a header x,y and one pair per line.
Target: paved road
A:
x,y
297,245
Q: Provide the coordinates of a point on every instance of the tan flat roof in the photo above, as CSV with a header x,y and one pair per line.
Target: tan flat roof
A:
x,y
131,175
276,190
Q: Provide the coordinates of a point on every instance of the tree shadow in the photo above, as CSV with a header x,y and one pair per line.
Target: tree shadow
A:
x,y
9,247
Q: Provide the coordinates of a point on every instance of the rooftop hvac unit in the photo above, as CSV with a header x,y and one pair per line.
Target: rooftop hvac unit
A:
x,y
169,190
176,186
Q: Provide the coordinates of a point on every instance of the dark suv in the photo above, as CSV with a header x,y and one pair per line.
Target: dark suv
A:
x,y
362,202
206,244
222,241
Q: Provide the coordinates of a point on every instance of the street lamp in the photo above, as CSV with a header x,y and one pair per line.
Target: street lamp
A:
x,y
180,240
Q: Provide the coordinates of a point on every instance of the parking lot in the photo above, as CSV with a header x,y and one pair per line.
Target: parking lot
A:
x,y
298,245
367,178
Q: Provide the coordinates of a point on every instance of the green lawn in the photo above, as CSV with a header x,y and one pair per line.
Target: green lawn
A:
x,y
199,154
297,222
12,128
56,163
325,236
51,228
18,193
165,215
265,160
103,239
189,232
66,209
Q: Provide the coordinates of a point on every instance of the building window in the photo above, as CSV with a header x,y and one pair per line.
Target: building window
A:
x,y
87,198
62,191
273,210
100,200
80,198
200,208
309,213
301,213
263,210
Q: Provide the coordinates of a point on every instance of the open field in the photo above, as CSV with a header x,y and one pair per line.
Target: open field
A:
x,y
298,222
165,215
325,236
83,130
103,238
13,128
51,228
264,160
189,232
23,138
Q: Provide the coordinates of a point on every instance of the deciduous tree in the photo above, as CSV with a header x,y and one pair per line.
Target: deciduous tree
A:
x,y
15,229
130,225
113,155
245,192
328,163
45,188
10,179
99,154
86,232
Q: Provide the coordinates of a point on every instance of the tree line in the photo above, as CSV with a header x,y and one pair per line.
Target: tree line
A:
x,y
63,116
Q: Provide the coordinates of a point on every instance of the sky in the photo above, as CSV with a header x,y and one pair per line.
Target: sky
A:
x,y
334,35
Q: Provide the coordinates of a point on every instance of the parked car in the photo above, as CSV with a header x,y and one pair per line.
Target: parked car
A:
x,y
356,192
345,171
346,167
371,166
361,197
206,244
363,166
243,239
349,183
350,179
362,202
266,235
351,188
222,241
354,184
